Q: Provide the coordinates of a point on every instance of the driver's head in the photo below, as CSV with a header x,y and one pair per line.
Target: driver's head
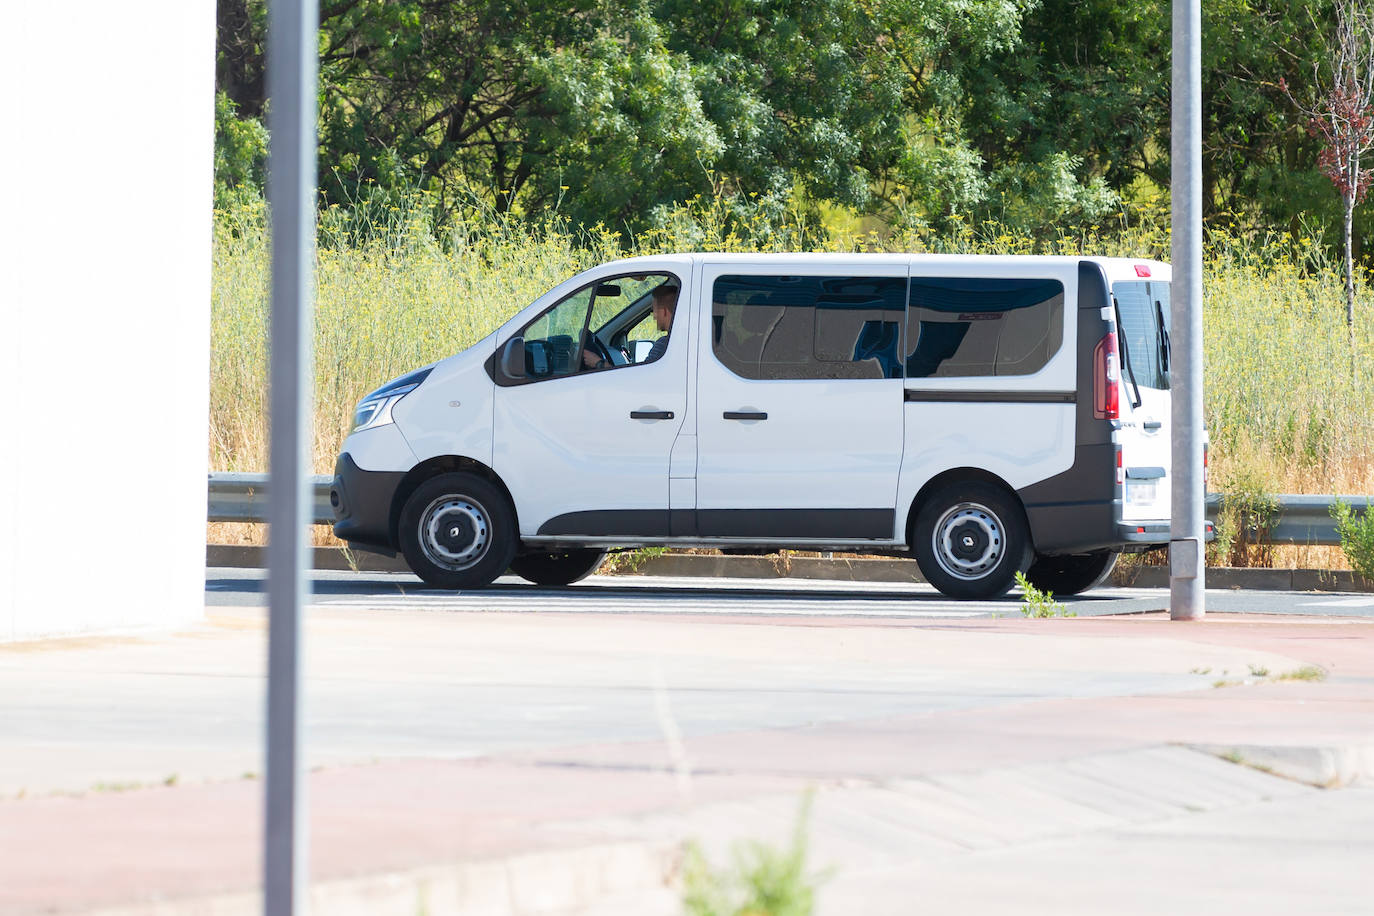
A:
x,y
665,304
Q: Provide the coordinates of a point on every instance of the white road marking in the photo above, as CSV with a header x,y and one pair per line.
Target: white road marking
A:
x,y
1343,602
720,605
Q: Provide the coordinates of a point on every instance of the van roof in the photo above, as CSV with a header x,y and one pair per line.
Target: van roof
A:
x,y
1113,265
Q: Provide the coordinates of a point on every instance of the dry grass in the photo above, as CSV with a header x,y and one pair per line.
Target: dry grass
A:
x,y
1289,400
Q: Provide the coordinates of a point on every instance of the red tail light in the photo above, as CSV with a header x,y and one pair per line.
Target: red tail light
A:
x,y
1120,469
1107,379
1206,468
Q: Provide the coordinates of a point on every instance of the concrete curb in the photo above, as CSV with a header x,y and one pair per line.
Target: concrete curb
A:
x,y
776,566
556,882
1323,767
338,558
1285,580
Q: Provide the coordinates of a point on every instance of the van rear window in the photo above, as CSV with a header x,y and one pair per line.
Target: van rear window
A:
x,y
975,326
1143,313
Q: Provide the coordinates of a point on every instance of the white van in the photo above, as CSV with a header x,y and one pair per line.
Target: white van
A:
x,y
986,415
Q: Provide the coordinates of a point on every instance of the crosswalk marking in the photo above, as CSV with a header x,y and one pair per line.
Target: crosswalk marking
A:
x,y
604,594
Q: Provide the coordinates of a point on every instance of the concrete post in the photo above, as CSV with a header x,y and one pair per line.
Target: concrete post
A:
x,y
291,73
1187,570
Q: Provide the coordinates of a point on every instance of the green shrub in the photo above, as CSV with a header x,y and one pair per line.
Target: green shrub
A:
x,y
1246,516
1357,537
764,881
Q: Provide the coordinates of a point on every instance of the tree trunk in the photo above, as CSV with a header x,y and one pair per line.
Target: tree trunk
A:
x,y
1348,237
1349,201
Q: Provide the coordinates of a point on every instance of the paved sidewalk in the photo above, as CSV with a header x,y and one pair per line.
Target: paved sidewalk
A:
x,y
983,766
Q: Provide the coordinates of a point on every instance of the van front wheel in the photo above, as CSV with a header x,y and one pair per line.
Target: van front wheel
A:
x,y
457,531
563,567
971,539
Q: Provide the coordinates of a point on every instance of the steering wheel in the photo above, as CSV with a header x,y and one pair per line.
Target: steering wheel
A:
x,y
609,354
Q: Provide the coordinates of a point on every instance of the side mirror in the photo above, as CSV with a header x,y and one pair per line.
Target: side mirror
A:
x,y
511,360
642,348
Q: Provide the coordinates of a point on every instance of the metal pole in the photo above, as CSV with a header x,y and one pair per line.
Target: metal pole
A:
x,y
291,69
1187,539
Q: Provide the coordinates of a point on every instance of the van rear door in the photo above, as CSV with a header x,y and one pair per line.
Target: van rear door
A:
x,y
1140,300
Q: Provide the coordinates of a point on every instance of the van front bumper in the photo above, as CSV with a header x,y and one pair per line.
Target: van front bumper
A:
x,y
362,502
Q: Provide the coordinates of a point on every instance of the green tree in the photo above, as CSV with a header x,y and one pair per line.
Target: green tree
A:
x,y
240,153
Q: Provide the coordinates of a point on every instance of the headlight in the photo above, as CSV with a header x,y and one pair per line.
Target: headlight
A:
x,y
375,410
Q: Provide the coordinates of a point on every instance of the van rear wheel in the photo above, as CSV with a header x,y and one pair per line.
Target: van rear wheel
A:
x,y
1070,575
970,540
457,530
562,567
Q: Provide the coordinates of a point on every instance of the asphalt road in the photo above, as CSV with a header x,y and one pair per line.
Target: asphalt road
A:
x,y
772,597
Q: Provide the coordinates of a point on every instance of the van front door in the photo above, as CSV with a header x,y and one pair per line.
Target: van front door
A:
x,y
584,436
800,402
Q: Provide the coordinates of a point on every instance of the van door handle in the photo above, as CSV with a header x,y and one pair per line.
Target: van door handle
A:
x,y
745,415
651,415
1154,424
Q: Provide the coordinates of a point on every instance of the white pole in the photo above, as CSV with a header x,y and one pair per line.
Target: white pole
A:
x,y
1187,539
291,69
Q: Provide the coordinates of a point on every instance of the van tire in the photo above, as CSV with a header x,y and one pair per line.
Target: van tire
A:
x,y
971,539
563,567
1071,575
457,530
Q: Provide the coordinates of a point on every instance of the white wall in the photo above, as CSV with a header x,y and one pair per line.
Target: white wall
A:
x,y
105,208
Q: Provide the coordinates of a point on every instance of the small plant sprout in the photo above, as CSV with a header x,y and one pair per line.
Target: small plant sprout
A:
x,y
1259,671
765,880
1305,673
1037,603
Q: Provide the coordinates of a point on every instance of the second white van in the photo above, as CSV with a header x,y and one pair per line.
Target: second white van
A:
x,y
984,415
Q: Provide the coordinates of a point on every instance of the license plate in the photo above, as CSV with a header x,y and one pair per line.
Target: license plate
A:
x,y
1139,492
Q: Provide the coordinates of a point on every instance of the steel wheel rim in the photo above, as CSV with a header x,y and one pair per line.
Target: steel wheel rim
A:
x,y
968,541
455,532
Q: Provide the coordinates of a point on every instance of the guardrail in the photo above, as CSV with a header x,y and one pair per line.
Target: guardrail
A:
x,y
1301,519
243,498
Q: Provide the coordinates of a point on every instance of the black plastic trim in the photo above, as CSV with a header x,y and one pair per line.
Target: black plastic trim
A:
x,y
682,523
608,523
1077,511
781,524
785,524
992,397
362,503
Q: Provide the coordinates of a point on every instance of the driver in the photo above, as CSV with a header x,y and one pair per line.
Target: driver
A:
x,y
665,306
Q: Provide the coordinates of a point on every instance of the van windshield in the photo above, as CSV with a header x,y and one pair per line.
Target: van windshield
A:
x,y
1143,307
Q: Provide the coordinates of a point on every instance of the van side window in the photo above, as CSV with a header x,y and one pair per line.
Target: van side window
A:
x,y
967,326
605,325
787,327
553,341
